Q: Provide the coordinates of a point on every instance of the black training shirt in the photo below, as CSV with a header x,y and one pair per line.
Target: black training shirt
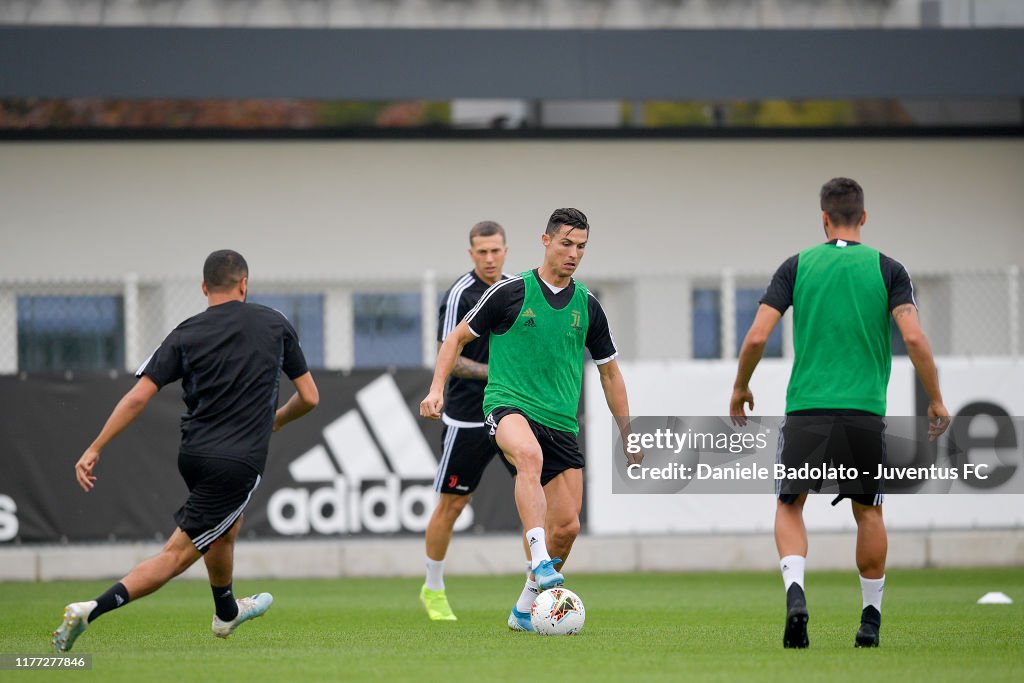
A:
x,y
229,359
464,398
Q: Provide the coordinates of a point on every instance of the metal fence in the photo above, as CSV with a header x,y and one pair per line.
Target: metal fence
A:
x,y
972,313
69,326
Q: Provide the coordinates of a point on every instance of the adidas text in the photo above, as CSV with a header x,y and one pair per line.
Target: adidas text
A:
x,y
372,472
384,507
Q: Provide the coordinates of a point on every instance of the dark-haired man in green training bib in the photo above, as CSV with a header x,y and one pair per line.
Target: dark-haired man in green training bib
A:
x,y
843,294
539,323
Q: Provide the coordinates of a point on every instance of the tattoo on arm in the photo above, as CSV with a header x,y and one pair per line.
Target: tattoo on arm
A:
x,y
903,310
469,369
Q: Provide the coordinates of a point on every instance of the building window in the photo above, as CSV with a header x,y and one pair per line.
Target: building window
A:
x,y
707,323
747,303
58,333
388,330
306,314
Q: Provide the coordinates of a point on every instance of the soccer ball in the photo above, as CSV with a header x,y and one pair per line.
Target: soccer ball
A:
x,y
558,612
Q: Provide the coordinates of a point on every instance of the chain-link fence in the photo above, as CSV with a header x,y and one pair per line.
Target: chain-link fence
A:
x,y
971,313
54,326
68,326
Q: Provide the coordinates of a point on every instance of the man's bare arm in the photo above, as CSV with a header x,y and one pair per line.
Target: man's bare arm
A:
x,y
614,387
466,368
750,355
305,398
920,352
451,351
126,410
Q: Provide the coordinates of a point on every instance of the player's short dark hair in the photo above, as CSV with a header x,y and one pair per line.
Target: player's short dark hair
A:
x,y
843,200
223,270
486,229
574,218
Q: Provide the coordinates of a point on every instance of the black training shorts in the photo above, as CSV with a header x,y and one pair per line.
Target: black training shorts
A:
x,y
219,490
465,454
559,449
853,439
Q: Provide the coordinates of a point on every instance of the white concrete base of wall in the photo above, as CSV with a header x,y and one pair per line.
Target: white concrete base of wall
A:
x,y
485,555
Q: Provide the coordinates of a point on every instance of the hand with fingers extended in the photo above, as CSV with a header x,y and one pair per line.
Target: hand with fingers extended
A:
x,y
740,397
84,468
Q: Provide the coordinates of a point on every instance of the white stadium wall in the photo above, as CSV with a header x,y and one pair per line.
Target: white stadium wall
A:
x,y
395,208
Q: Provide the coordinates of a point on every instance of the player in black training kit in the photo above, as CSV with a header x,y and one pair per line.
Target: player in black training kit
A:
x,y
466,448
229,359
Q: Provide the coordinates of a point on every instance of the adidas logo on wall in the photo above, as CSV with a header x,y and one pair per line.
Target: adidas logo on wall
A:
x,y
8,518
366,489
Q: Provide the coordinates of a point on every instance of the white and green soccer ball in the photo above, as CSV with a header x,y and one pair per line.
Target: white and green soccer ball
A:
x,y
558,612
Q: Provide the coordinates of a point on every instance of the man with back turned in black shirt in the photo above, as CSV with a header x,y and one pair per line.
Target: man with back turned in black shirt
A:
x,y
229,359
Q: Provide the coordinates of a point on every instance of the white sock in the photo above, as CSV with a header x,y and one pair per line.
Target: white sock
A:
x,y
871,592
538,546
526,598
793,570
435,575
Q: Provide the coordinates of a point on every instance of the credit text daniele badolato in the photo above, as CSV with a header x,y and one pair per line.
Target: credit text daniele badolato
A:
x,y
740,471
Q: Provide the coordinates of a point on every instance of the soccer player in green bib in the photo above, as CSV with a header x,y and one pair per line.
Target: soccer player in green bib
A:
x,y
842,293
539,324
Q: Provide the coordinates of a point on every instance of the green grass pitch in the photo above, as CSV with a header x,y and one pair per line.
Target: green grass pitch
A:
x,y
654,627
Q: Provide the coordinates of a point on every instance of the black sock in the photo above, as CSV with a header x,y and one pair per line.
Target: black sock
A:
x,y
224,600
116,596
